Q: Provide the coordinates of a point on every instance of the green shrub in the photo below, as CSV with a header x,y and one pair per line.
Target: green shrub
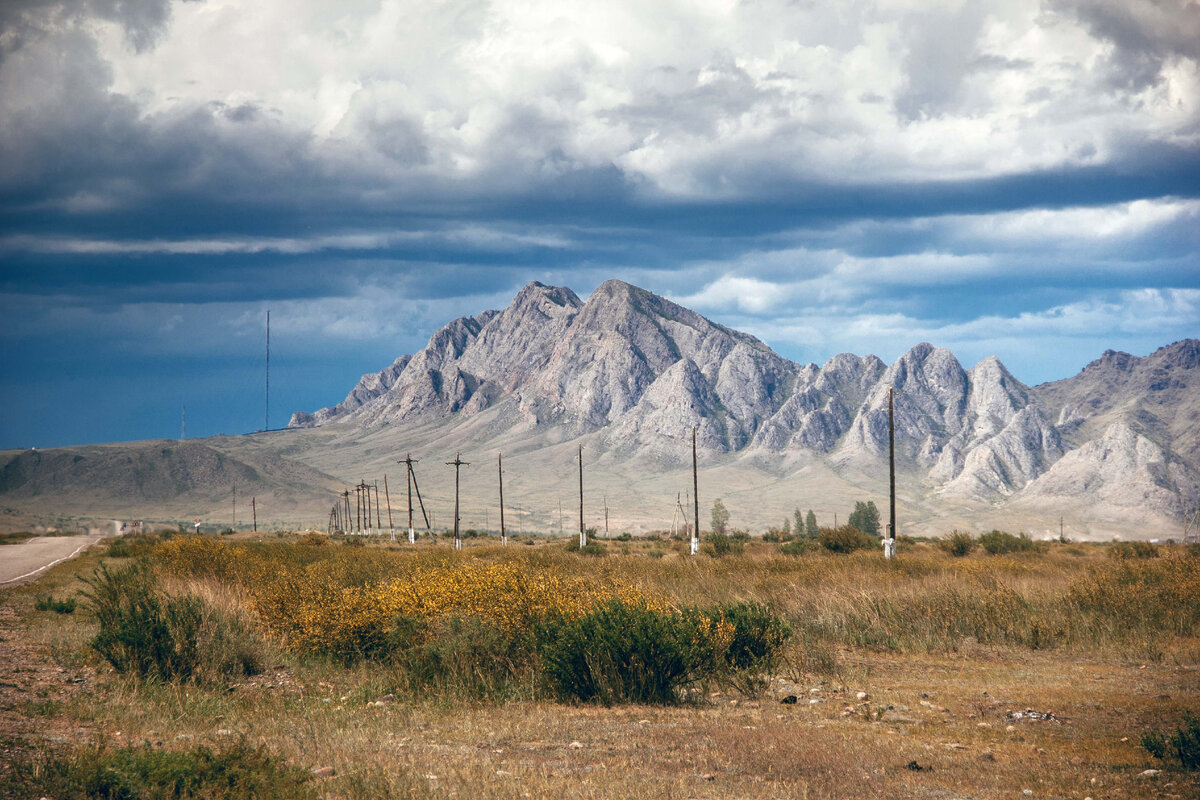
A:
x,y
621,653
1128,550
958,544
1182,746
719,545
592,548
845,539
998,542
758,637
624,537
48,603
795,547
169,638
132,545
137,772
465,657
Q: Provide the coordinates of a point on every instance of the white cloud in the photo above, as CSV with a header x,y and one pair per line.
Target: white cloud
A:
x,y
467,236
705,99
743,294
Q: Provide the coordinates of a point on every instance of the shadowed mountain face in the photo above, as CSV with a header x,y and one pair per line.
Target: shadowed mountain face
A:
x,y
634,373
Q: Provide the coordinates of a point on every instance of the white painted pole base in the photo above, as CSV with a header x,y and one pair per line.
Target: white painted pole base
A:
x,y
889,548
412,536
695,547
458,544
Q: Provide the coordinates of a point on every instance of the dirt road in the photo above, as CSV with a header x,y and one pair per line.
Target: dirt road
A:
x,y
21,563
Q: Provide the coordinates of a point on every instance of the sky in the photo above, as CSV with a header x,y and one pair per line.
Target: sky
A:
x,y
1018,178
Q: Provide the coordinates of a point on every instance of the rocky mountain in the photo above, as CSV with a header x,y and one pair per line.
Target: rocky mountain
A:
x,y
638,372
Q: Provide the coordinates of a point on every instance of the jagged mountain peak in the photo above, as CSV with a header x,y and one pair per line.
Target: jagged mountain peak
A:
x,y
640,371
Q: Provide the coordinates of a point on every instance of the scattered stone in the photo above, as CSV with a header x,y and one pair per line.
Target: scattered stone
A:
x,y
1010,728
1027,792
576,745
956,746
643,722
790,700
860,696
708,776
322,772
1149,773
814,701
224,732
983,724
1037,716
987,755
915,767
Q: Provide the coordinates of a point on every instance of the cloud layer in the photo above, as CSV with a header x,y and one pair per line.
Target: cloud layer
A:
x,y
857,176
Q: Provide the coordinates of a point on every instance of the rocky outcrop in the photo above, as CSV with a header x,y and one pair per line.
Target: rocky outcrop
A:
x,y
641,371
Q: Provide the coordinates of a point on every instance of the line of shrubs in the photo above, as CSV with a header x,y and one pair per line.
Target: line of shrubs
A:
x,y
616,652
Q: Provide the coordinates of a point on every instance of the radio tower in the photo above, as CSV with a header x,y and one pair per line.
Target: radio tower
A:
x,y
267,397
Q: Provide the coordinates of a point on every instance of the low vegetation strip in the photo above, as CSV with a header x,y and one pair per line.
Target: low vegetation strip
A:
x,y
379,671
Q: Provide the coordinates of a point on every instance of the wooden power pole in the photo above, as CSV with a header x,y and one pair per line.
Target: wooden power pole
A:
x,y
582,530
456,463
387,498
500,476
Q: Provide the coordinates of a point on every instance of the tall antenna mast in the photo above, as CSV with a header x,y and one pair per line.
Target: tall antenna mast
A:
x,y
267,398
695,499
889,547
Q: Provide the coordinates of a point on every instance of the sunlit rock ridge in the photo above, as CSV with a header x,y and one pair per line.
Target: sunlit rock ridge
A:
x,y
635,372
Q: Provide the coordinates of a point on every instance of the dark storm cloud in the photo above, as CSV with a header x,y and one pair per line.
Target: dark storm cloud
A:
x,y
1146,34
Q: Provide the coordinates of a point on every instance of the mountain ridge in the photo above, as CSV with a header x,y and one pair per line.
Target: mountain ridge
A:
x,y
636,372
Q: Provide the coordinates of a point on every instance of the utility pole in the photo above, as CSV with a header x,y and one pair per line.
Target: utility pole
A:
x,y
456,463
412,484
695,497
582,530
254,512
357,508
378,520
233,525
606,516
387,498
500,476
889,545
346,519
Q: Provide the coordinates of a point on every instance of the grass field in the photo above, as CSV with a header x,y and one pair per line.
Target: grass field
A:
x,y
330,668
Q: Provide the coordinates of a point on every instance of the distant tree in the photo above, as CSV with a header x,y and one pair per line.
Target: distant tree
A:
x,y
810,525
798,522
720,517
865,517
787,527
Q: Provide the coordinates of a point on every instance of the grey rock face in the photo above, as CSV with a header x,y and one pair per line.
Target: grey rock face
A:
x,y
642,372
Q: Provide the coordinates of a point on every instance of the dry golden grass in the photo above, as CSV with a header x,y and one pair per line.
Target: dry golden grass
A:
x,y
951,660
